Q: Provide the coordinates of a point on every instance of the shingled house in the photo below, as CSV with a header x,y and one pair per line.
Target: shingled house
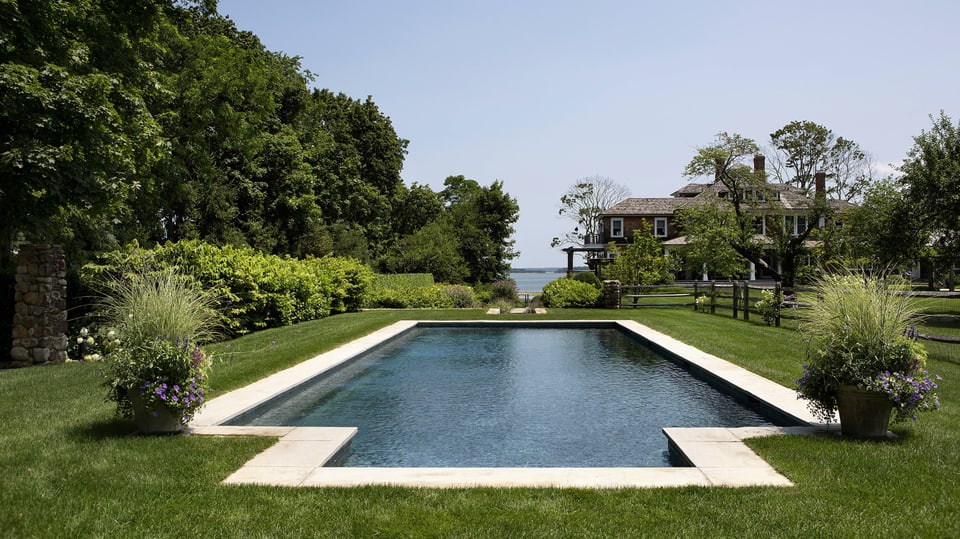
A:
x,y
790,205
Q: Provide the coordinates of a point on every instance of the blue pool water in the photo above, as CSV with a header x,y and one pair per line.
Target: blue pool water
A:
x,y
512,397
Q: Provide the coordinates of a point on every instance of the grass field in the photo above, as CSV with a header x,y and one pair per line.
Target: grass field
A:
x,y
70,469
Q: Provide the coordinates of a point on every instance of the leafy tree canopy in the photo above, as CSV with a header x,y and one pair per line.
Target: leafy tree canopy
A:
x,y
801,148
642,262
159,120
931,174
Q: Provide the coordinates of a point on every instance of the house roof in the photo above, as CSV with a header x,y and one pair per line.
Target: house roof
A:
x,y
789,198
690,190
646,206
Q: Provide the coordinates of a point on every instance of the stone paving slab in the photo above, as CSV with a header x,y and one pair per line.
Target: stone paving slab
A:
x,y
507,477
299,451
273,476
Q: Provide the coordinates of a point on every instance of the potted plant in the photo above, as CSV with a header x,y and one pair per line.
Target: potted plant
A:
x,y
156,370
863,359
160,382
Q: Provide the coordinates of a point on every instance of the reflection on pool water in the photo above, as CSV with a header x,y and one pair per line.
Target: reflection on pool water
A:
x,y
508,397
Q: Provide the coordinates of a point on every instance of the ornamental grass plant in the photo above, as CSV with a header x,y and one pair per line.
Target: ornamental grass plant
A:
x,y
160,319
859,333
145,305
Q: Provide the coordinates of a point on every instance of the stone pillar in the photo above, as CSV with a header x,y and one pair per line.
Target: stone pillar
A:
x,y
611,294
40,314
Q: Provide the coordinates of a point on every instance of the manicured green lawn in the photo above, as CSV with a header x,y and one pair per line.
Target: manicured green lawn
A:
x,y
68,468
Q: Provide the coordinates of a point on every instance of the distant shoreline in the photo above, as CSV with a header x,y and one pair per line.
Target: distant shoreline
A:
x,y
546,270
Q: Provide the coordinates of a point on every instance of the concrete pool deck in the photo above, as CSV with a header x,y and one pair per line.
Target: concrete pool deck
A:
x,y
718,456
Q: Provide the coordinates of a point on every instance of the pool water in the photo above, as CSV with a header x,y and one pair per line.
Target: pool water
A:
x,y
508,397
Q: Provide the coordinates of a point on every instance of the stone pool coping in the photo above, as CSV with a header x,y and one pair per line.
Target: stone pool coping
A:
x,y
718,455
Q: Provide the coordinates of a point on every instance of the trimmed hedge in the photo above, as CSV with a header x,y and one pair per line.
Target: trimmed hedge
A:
x,y
252,290
566,292
417,291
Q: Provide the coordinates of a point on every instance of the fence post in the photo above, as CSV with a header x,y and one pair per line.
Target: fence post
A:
x,y
713,297
736,296
777,300
746,301
695,295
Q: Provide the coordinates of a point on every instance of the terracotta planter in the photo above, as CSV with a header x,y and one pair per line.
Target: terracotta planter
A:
x,y
863,414
158,420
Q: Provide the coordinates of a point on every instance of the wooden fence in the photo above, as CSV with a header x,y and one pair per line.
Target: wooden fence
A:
x,y
739,297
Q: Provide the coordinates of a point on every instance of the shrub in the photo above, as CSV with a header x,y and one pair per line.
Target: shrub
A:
x,y
588,277
769,305
565,292
417,291
461,297
504,289
393,280
253,290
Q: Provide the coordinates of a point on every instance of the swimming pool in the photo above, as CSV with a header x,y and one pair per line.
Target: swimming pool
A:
x,y
550,395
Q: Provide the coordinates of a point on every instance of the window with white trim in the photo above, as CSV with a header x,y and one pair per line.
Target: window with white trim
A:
x,y
795,225
616,227
660,227
801,225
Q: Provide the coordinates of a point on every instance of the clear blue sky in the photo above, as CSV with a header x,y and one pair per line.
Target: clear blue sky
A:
x,y
541,93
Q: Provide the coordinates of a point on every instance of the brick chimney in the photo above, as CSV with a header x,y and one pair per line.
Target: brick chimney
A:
x,y
758,165
820,184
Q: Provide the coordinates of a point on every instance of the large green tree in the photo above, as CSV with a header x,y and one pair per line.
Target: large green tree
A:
x,y
801,148
752,199
931,175
77,138
461,234
231,158
483,218
358,169
884,230
433,248
708,226
726,160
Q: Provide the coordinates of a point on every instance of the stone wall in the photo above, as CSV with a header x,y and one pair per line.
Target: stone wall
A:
x,y
40,312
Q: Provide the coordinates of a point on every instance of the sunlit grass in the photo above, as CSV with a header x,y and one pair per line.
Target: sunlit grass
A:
x,y
70,469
